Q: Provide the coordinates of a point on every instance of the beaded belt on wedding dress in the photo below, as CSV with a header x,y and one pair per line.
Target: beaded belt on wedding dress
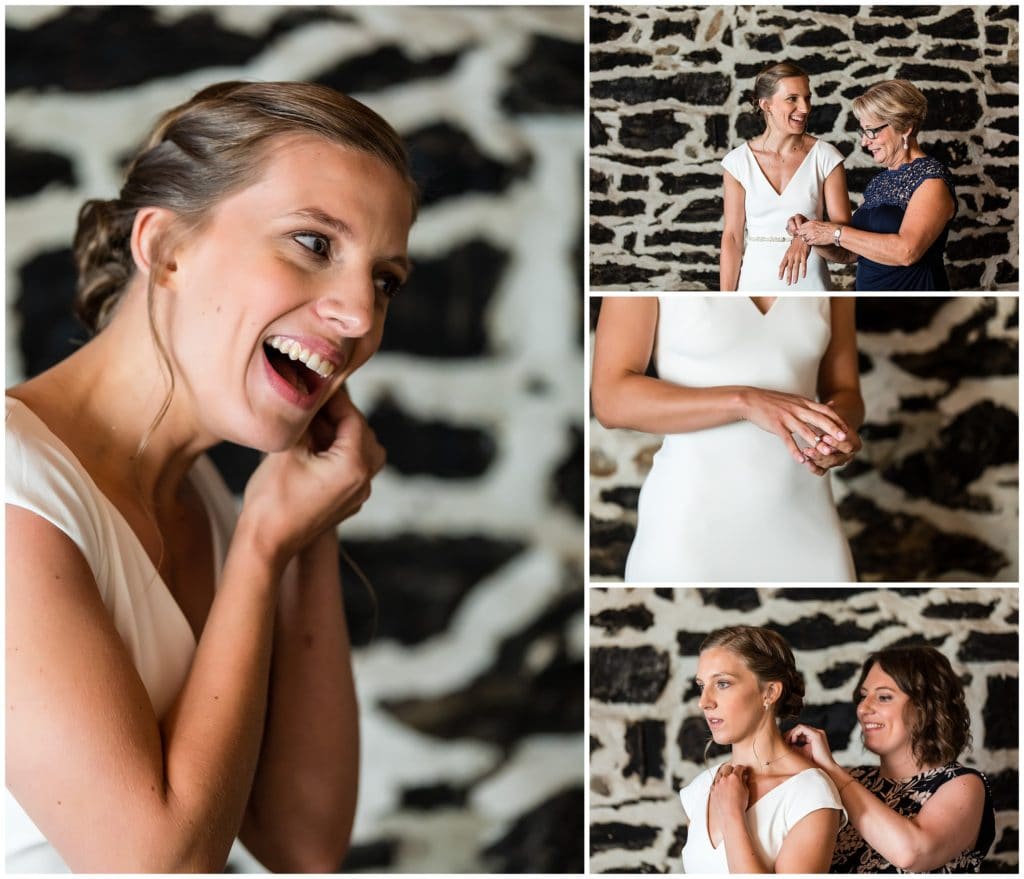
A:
x,y
782,238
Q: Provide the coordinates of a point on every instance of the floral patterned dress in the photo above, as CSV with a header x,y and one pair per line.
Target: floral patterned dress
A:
x,y
906,796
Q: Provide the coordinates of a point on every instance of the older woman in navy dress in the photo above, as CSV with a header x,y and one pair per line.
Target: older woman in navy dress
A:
x,y
898,235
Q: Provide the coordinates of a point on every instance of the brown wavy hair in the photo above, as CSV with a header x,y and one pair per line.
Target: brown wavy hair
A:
x,y
769,657
940,726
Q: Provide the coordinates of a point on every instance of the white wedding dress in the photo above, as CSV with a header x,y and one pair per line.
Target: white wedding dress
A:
x,y
767,212
730,503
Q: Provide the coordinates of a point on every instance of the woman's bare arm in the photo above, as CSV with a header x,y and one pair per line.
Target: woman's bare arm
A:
x,y
734,222
623,396
304,797
83,743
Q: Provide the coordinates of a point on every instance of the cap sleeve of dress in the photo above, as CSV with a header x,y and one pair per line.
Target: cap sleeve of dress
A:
x,y
828,158
736,164
695,795
811,790
41,478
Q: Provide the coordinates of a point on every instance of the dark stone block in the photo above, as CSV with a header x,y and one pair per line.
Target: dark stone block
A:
x,y
635,674
997,34
626,207
418,582
609,545
868,34
384,68
749,125
770,44
433,796
598,133
716,129
694,737
986,245
31,170
1004,73
1004,176
633,183
816,595
898,546
1003,13
1004,786
952,154
1008,148
567,478
102,48
610,60
598,183
1004,99
950,110
870,71
959,610
447,163
610,275
651,131
672,184
666,594
981,437
823,119
903,313
513,699
838,674
370,855
629,243
989,647
675,27
615,619
965,277
739,598
1001,712
1006,124
822,36
858,178
675,850
707,280
49,331
819,630
708,56
604,31
838,719
235,464
953,53
642,868
704,89
1006,272
895,52
625,496
546,839
942,73
702,210
689,642
967,351
644,161
614,836
548,80
1008,842
601,234
871,431
595,744
645,745
817,64
960,26
441,311
426,447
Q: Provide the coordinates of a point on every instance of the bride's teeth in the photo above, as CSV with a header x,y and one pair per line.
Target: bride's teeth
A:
x,y
292,349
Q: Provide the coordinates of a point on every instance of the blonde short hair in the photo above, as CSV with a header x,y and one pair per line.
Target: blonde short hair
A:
x,y
896,102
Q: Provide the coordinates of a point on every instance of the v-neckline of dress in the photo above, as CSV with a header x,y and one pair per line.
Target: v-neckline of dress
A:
x,y
168,594
800,167
761,799
767,311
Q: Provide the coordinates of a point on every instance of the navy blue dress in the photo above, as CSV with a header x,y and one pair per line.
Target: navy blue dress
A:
x,y
885,201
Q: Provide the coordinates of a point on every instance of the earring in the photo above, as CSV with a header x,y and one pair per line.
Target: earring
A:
x,y
905,144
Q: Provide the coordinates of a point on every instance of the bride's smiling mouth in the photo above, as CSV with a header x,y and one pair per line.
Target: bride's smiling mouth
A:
x,y
295,371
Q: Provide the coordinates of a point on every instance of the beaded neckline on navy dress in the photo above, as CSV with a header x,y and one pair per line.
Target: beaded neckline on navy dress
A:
x,y
896,186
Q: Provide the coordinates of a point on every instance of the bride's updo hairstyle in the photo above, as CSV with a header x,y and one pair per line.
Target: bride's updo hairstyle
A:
x,y
768,656
202,151
767,81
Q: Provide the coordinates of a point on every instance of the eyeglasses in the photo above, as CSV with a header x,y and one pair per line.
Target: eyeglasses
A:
x,y
872,133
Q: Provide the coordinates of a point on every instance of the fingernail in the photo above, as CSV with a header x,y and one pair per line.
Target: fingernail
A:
x,y
840,436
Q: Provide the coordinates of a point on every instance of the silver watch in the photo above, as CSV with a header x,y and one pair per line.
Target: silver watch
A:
x,y
837,233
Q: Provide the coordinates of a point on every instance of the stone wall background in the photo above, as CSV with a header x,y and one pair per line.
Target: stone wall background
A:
x,y
669,98
647,734
934,493
472,688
